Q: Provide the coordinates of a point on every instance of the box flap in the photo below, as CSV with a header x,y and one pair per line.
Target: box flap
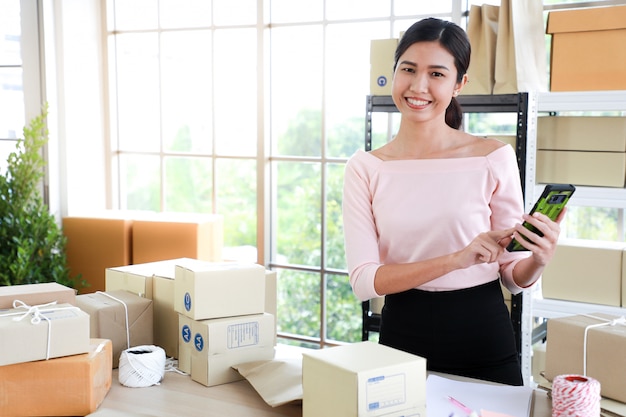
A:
x,y
587,19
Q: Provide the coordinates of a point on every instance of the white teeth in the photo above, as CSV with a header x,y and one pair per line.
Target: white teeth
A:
x,y
415,102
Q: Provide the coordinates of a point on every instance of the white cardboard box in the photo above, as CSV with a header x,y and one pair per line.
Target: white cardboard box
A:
x,y
206,290
218,344
364,379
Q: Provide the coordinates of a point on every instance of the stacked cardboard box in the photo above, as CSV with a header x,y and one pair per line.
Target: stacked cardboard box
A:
x,y
155,280
382,53
222,319
48,363
582,150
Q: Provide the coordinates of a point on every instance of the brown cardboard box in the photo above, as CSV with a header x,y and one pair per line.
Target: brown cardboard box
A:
x,y
355,379
586,271
598,34
605,348
595,169
71,386
169,236
61,330
185,343
582,133
35,294
206,290
108,319
96,243
218,344
381,65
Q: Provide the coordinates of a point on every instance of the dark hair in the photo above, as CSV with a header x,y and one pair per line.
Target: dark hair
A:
x,y
454,39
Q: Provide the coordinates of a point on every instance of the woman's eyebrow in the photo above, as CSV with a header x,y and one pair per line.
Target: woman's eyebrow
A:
x,y
434,66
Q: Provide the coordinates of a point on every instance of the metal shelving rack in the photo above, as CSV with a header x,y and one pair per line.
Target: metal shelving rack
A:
x,y
525,106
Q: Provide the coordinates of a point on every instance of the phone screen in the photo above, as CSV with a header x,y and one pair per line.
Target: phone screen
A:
x,y
551,203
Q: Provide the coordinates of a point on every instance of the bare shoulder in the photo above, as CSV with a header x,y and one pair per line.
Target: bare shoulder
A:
x,y
484,145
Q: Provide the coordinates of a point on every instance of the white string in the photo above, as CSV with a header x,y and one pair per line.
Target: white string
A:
x,y
142,366
605,322
125,312
36,315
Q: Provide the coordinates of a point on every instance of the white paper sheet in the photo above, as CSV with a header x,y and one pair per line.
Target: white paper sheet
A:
x,y
504,399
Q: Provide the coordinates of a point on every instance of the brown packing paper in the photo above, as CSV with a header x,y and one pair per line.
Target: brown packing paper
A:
x,y
482,29
520,63
71,386
42,332
605,348
108,319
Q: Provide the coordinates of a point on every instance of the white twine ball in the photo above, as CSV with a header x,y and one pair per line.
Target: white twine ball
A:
x,y
575,396
142,366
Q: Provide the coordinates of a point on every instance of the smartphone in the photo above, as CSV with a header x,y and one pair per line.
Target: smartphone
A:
x,y
551,203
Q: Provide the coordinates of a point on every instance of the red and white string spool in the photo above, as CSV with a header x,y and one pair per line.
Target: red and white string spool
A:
x,y
575,396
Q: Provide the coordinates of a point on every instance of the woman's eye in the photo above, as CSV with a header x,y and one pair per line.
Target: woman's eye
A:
x,y
408,69
437,74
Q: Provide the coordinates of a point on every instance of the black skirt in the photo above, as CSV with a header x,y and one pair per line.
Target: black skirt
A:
x,y
464,332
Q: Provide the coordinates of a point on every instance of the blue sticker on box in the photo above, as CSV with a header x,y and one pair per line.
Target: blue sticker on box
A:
x,y
186,333
187,301
198,342
381,81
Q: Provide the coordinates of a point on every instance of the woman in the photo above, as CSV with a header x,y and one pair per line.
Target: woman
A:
x,y
427,217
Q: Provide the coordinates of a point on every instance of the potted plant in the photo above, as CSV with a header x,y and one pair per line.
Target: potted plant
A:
x,y
32,245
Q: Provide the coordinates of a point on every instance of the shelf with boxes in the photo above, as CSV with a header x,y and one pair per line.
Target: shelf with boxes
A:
x,y
584,140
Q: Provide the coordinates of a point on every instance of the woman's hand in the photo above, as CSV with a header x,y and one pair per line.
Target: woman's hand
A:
x,y
542,247
485,248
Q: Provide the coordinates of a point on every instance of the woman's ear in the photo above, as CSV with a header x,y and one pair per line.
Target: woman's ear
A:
x,y
459,86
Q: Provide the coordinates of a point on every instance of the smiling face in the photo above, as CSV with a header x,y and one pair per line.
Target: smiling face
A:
x,y
425,81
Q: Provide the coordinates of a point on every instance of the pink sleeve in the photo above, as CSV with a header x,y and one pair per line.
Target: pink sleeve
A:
x,y
361,240
507,209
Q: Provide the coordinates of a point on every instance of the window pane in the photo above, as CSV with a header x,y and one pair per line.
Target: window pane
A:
x,y
10,33
298,309
296,11
335,253
140,181
298,222
11,103
347,83
235,92
296,90
135,14
343,310
188,185
6,147
234,12
484,124
412,7
184,13
356,9
138,92
186,86
596,223
236,201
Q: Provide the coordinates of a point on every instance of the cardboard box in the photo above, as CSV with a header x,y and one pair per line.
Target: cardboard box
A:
x,y
363,379
582,133
96,243
71,386
169,236
382,53
206,290
36,294
109,320
586,271
605,348
185,343
62,330
598,34
595,169
218,344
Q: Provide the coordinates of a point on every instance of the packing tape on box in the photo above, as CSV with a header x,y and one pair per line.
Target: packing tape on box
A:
x,y
604,322
574,396
142,366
